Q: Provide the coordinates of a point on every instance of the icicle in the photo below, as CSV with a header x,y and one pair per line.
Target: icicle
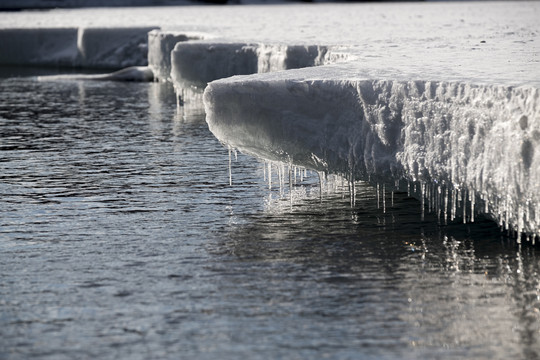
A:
x,y
392,202
446,206
264,171
520,220
282,168
464,204
342,186
472,198
428,193
352,190
235,155
454,205
408,189
527,212
507,212
422,197
438,202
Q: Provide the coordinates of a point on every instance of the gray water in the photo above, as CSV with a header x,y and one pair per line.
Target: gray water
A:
x,y
120,238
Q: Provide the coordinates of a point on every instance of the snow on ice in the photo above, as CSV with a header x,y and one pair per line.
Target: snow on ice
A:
x,y
441,95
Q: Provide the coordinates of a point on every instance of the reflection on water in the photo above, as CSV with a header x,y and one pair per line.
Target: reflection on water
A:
x,y
121,238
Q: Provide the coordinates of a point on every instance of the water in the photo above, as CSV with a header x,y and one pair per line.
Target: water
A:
x,y
120,237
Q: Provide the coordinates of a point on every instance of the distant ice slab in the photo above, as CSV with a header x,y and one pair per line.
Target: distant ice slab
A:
x,y
160,45
471,148
196,63
85,47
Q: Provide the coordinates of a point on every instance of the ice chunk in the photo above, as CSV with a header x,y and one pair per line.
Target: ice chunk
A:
x,y
160,45
468,138
113,47
197,63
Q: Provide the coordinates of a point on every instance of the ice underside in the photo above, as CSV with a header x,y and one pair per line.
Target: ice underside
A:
x,y
453,115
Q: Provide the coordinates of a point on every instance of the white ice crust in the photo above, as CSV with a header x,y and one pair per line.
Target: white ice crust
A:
x,y
442,94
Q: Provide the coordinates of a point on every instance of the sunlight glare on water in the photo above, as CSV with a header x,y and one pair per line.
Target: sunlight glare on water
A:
x,y
120,237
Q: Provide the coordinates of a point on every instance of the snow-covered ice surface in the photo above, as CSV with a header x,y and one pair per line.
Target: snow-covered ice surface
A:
x,y
444,96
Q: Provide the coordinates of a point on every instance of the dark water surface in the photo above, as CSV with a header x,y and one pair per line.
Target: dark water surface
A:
x,y
120,238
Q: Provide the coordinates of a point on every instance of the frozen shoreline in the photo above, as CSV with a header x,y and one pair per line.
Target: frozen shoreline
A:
x,y
443,94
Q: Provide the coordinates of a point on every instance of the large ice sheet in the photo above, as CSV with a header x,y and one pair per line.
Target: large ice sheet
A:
x,y
476,141
463,124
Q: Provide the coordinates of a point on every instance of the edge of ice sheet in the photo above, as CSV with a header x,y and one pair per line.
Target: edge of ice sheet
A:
x,y
474,145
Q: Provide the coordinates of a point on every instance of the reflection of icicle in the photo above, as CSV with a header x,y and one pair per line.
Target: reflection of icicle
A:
x,y
422,197
270,175
378,197
350,183
290,186
280,179
320,185
472,196
230,168
464,204
383,199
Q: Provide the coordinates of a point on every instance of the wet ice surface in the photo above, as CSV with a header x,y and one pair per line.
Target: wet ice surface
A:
x,y
121,238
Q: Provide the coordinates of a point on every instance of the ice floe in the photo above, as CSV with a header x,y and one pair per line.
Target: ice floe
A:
x,y
439,97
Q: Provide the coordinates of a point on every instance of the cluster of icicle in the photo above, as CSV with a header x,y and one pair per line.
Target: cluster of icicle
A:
x,y
449,204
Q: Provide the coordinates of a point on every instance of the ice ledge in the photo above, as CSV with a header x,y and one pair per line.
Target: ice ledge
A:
x,y
470,146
